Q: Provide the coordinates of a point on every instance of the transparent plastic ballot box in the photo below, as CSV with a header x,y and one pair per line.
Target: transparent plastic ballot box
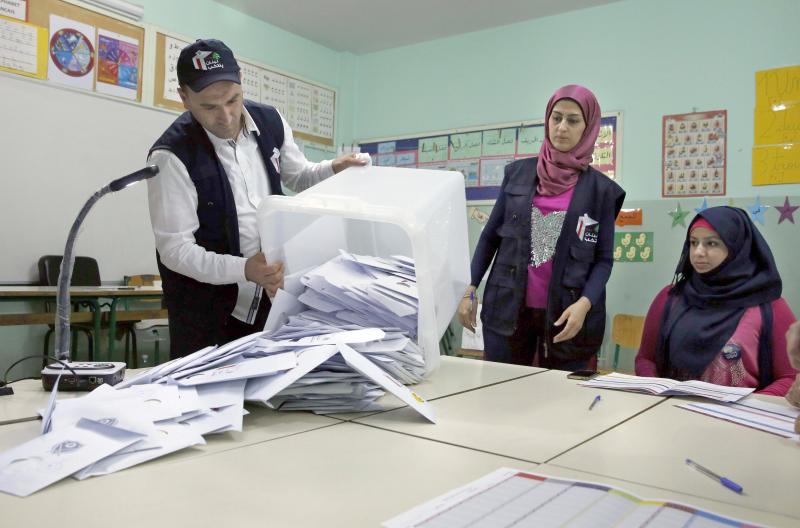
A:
x,y
380,211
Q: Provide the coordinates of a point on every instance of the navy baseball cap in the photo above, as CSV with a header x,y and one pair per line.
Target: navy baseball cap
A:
x,y
205,62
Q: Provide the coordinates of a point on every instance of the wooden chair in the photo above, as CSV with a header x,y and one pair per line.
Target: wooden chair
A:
x,y
154,326
626,332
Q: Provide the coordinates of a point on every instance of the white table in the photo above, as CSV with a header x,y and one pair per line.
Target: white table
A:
x,y
534,418
345,475
651,449
454,375
29,396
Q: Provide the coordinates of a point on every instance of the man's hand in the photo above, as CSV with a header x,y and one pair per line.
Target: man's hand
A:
x,y
347,160
574,316
270,276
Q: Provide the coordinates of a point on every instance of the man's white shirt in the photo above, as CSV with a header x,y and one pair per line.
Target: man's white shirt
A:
x,y
173,208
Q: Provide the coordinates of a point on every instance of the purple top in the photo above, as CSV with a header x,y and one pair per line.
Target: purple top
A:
x,y
547,217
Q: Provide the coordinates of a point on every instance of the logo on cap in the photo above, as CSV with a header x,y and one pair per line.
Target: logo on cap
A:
x,y
206,60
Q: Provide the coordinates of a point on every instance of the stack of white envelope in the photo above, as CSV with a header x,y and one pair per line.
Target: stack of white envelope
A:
x,y
328,356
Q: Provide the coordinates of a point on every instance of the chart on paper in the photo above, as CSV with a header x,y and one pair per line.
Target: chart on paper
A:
x,y
509,497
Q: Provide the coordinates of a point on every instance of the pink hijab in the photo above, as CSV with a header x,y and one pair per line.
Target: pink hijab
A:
x,y
558,171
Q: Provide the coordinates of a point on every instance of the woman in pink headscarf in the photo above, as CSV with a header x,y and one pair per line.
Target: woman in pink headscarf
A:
x,y
551,237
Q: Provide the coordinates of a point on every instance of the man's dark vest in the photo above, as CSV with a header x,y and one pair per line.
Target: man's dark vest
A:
x,y
198,311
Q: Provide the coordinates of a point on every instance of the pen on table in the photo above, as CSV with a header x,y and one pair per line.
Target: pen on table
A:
x,y
728,483
594,402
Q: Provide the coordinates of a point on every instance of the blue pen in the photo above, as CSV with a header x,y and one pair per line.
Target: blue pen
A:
x,y
728,483
594,402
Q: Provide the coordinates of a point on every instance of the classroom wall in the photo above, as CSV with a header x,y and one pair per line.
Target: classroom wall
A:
x,y
248,38
646,58
256,40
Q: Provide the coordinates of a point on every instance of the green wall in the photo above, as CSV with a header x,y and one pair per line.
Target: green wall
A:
x,y
646,58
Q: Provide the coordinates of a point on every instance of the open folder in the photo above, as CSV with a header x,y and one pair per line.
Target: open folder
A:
x,y
668,387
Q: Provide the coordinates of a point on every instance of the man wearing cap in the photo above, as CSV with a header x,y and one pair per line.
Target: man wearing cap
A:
x,y
217,162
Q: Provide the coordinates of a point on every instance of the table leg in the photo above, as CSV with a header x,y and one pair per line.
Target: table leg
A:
x,y
112,327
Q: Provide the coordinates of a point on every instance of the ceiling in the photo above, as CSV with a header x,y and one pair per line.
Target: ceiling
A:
x,y
365,26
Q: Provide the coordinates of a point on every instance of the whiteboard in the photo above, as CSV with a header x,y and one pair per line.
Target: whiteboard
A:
x,y
58,147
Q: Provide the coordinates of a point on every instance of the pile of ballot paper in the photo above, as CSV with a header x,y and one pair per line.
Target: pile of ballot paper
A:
x,y
335,345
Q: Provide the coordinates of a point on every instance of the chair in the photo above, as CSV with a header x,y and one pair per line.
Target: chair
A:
x,y
626,331
155,327
85,272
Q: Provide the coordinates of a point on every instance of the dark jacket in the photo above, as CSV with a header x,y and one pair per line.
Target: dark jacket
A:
x,y
581,266
198,311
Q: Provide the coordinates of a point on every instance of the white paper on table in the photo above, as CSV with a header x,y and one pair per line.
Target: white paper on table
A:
x,y
157,401
216,395
171,437
251,368
51,457
262,389
751,412
189,400
47,414
124,414
373,372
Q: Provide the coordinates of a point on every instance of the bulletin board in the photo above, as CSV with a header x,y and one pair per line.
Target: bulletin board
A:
x,y
90,51
776,131
481,153
309,108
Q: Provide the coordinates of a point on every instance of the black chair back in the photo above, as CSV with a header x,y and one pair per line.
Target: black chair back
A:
x,y
85,271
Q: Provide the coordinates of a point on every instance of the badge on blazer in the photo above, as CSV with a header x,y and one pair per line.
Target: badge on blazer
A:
x,y
587,228
276,159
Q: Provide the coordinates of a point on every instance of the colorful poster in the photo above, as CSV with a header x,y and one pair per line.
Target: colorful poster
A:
x,y
251,81
466,145
628,217
275,91
172,50
530,140
694,153
776,131
23,49
502,142
633,247
604,155
72,53
468,168
487,150
433,149
492,171
14,9
117,65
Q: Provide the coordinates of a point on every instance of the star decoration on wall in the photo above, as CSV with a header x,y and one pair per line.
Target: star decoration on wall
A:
x,y
786,210
757,210
702,207
678,216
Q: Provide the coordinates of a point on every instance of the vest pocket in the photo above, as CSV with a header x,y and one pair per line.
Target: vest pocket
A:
x,y
578,265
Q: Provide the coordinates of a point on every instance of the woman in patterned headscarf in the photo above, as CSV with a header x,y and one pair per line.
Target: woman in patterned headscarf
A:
x,y
723,321
551,235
